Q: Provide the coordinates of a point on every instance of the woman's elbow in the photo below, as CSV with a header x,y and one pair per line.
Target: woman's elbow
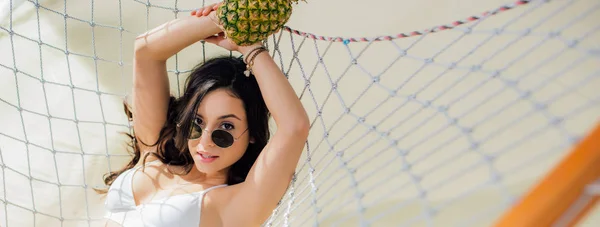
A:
x,y
139,47
301,127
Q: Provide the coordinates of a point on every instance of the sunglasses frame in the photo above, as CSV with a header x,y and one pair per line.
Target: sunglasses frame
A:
x,y
211,132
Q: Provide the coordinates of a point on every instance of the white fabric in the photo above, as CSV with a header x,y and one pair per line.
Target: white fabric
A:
x,y
181,210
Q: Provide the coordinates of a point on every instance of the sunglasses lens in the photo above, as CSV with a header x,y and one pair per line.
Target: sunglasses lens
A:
x,y
222,138
195,131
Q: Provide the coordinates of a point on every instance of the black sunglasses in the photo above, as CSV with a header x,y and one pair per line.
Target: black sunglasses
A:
x,y
220,137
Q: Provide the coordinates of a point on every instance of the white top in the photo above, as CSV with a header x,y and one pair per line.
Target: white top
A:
x,y
181,210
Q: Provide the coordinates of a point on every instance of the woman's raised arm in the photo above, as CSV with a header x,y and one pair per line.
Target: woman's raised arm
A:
x,y
150,81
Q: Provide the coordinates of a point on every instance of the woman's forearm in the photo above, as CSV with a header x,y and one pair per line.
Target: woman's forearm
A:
x,y
166,40
280,98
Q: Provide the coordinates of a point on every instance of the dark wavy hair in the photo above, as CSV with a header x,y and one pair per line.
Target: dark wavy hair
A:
x,y
171,147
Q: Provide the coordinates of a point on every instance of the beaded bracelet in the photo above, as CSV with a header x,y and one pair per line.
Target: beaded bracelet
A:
x,y
252,55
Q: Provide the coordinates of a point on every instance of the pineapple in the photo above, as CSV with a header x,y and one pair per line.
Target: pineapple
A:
x,y
247,22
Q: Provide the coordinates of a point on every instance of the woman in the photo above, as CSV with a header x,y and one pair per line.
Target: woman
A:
x,y
211,161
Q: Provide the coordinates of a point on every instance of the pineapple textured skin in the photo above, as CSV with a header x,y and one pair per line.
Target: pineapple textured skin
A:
x,y
247,22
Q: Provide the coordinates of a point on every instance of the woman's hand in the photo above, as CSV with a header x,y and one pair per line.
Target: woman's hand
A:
x,y
222,41
210,11
205,10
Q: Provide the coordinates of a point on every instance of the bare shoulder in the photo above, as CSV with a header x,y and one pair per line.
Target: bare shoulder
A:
x,y
220,197
221,200
214,203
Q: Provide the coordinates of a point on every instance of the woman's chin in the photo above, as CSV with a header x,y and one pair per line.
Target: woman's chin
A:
x,y
206,167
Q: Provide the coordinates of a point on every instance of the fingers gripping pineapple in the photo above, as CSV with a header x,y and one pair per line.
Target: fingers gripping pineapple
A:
x,y
247,22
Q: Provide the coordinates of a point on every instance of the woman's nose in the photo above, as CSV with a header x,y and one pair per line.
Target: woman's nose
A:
x,y
205,139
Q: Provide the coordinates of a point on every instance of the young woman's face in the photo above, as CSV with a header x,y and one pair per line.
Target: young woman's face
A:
x,y
223,129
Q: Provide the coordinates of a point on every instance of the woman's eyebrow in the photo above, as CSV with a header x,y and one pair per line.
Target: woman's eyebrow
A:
x,y
228,116
223,117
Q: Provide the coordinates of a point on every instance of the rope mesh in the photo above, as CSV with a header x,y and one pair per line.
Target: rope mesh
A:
x,y
445,126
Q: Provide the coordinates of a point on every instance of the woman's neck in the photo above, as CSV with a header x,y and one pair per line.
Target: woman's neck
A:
x,y
197,177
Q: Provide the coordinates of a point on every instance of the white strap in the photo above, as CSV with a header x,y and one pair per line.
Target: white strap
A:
x,y
213,187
